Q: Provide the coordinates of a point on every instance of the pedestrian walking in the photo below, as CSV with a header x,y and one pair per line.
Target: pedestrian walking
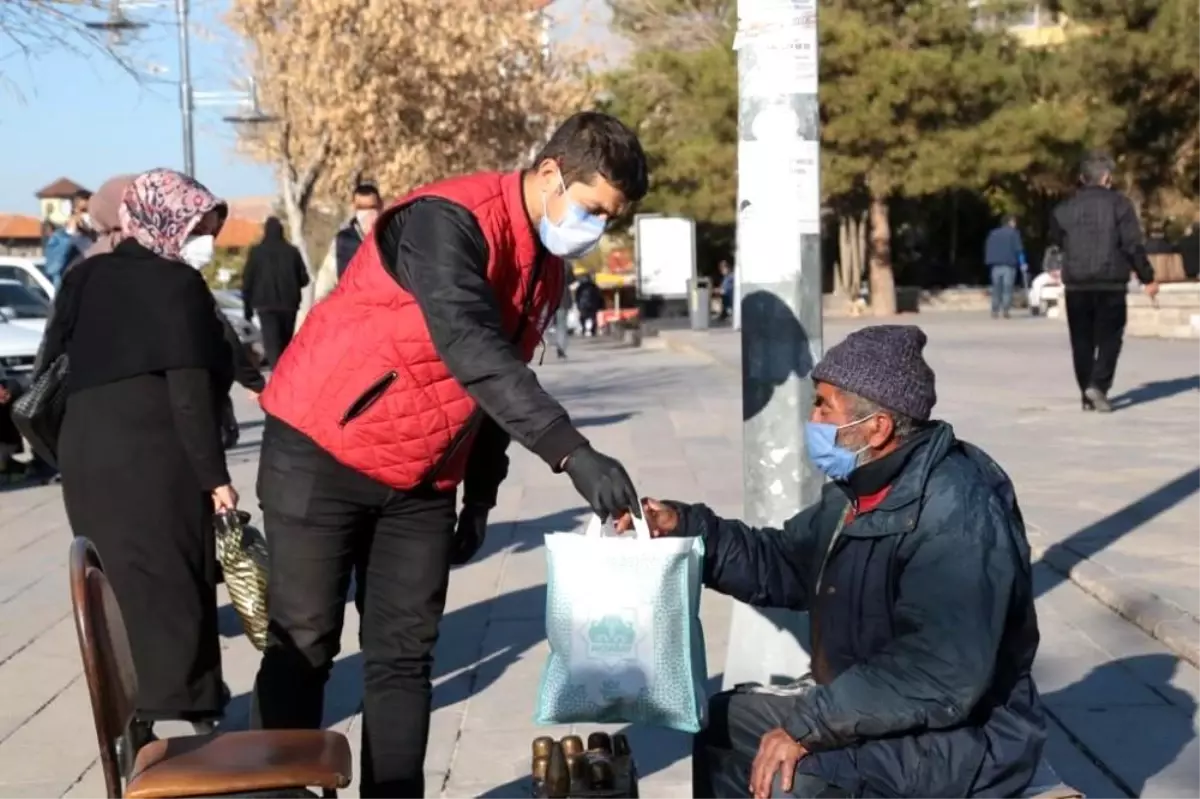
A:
x,y
272,281
1004,254
407,380
727,289
1101,240
68,244
562,316
139,449
365,206
590,302
1188,248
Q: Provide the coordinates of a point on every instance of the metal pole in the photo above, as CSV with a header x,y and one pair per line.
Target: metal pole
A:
x,y
185,89
779,262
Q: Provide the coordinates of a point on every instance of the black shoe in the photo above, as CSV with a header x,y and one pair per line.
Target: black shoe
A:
x,y
1098,399
1087,405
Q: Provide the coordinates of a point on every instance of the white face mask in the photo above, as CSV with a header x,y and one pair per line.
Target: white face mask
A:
x,y
198,251
366,218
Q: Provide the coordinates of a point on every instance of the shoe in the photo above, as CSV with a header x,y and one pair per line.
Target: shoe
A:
x,y
1098,399
1006,314
1087,405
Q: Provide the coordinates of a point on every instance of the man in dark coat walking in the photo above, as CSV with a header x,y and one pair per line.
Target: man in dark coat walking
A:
x,y
271,284
1101,239
915,569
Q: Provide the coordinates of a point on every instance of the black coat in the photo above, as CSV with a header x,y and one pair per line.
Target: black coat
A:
x,y
274,273
927,621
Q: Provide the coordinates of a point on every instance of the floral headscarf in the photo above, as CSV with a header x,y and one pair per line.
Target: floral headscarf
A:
x,y
162,207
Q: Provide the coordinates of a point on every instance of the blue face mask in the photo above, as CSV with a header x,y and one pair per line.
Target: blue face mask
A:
x,y
820,440
573,236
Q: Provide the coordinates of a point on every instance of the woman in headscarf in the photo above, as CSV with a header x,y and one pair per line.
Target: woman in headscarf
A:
x,y
140,448
105,210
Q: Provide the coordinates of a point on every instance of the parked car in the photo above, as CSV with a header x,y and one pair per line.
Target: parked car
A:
x,y
18,350
28,272
20,306
230,303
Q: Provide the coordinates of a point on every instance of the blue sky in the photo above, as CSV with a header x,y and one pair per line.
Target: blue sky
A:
x,y
82,117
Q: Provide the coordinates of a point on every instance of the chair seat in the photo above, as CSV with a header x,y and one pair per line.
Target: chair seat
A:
x,y
236,762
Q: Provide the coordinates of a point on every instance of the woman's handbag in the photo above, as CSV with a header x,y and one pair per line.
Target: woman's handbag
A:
x,y
242,555
39,412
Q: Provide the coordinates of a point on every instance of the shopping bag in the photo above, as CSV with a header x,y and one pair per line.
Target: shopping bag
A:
x,y
242,556
623,623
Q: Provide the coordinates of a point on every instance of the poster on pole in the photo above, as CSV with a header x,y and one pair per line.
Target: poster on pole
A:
x,y
666,255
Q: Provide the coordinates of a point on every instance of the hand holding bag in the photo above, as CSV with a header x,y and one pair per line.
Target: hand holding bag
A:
x,y
242,553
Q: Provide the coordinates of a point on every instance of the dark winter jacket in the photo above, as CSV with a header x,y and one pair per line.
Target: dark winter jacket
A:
x,y
588,297
274,273
346,243
1004,247
1101,239
928,628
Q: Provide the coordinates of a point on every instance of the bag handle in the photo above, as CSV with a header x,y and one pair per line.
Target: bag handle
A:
x,y
595,527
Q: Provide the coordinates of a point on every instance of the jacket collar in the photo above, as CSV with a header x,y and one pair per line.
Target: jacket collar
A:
x,y
899,510
526,243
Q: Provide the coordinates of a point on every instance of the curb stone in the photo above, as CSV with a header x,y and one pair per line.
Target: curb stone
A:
x,y
1164,621
1167,623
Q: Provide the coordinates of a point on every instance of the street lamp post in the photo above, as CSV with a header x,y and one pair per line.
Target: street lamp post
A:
x,y
117,24
185,89
779,271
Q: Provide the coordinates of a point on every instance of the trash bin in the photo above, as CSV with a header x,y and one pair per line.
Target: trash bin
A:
x,y
700,302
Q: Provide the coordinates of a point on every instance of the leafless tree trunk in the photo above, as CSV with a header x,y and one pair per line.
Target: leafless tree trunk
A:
x,y
882,278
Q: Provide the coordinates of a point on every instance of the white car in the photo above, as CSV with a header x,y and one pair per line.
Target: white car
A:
x,y
18,350
28,272
21,307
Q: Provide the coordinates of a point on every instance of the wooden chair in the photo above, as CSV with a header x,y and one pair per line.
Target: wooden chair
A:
x,y
193,765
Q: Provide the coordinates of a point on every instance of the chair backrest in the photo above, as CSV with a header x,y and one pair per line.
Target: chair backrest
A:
x,y
107,657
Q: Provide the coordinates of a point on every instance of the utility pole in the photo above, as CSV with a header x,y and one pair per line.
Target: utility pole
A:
x,y
779,267
185,89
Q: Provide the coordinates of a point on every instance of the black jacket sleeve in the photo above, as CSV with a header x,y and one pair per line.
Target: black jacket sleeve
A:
x,y
1129,239
249,277
757,565
301,269
952,599
487,465
198,424
244,372
436,251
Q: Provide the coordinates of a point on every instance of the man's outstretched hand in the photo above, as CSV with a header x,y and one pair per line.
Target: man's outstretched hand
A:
x,y
602,481
661,518
778,753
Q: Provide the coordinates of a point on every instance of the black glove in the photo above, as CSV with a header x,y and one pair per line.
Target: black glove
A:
x,y
468,534
602,481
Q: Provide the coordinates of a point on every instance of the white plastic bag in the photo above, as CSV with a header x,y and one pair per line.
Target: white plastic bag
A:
x,y
623,623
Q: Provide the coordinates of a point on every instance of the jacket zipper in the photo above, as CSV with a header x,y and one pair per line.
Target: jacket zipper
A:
x,y
368,398
476,417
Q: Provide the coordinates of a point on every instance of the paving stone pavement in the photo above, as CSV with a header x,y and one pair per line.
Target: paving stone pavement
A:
x,y
1123,706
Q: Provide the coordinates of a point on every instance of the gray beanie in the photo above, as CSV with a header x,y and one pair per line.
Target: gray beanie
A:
x,y
883,363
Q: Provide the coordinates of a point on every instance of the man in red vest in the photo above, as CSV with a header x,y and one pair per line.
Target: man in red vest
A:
x,y
408,379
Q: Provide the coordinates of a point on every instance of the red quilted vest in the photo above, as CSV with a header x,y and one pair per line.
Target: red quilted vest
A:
x,y
362,378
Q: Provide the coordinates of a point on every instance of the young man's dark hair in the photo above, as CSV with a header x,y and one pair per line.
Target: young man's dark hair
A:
x,y
82,194
366,189
589,144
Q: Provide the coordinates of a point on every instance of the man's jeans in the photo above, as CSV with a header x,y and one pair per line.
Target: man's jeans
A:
x,y
1003,280
561,332
324,521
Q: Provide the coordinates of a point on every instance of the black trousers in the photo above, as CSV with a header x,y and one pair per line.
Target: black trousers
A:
x,y
724,750
325,521
1096,322
277,329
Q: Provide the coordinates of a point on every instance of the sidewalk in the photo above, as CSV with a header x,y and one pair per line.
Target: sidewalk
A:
x,y
1123,705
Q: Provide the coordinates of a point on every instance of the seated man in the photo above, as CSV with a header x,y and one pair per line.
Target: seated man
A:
x,y
915,569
